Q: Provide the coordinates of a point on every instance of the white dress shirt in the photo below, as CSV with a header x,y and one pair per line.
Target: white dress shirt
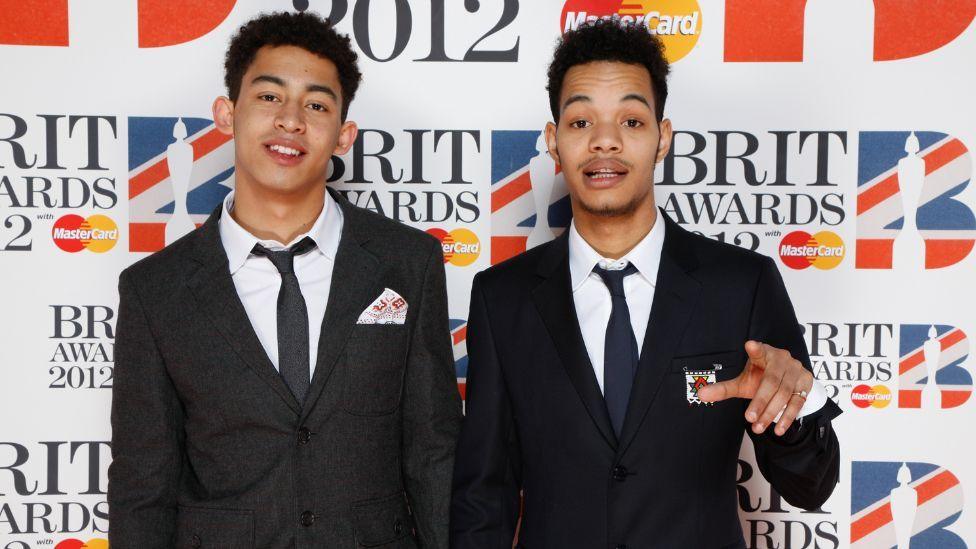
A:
x,y
258,281
593,302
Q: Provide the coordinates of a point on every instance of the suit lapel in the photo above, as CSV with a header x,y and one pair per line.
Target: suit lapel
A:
x,y
209,280
353,287
675,299
553,298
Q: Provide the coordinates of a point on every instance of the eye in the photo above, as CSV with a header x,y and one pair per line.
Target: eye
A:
x,y
318,107
579,124
267,97
633,123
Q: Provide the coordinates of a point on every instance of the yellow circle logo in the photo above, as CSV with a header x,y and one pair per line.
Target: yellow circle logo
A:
x,y
461,246
677,23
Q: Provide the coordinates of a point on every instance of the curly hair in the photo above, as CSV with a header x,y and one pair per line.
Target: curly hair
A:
x,y
609,40
304,30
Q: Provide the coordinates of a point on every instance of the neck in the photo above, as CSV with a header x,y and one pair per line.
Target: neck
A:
x,y
273,216
612,237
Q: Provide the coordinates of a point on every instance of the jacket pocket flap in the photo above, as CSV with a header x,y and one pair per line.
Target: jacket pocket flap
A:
x,y
726,364
209,528
381,521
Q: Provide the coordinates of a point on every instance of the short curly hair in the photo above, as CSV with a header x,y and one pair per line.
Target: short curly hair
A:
x,y
304,30
609,40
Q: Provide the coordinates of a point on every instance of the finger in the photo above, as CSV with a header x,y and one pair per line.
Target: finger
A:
x,y
776,405
804,383
717,392
768,386
789,414
757,353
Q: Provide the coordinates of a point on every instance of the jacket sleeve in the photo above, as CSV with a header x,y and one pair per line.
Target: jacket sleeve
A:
x,y
487,471
147,434
803,464
431,411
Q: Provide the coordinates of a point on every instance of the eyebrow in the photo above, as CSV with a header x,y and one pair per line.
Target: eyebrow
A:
x,y
579,98
311,87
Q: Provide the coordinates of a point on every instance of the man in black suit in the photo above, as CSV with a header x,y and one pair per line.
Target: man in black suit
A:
x,y
600,362
284,374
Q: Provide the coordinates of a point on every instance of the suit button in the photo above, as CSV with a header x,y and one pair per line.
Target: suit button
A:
x,y
397,527
619,473
308,518
304,435
195,541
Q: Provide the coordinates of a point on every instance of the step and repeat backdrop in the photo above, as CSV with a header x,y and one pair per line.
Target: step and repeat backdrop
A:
x,y
831,135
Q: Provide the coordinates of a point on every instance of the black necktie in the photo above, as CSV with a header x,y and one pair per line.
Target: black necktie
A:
x,y
620,348
293,362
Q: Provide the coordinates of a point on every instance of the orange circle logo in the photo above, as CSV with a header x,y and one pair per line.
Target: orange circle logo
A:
x,y
461,246
73,233
824,250
677,23
877,396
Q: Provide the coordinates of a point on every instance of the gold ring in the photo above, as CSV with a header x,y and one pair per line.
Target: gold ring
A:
x,y
801,394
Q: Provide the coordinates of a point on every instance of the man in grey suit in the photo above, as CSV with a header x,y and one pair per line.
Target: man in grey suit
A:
x,y
284,374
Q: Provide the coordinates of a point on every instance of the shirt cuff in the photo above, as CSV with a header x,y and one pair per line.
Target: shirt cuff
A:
x,y
816,398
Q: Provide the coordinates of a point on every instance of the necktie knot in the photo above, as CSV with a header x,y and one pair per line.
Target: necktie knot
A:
x,y
284,260
614,279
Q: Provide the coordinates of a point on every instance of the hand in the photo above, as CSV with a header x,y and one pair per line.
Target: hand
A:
x,y
773,380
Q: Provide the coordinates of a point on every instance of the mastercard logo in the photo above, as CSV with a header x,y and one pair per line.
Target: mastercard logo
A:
x,y
864,396
461,246
676,22
73,233
824,250
72,543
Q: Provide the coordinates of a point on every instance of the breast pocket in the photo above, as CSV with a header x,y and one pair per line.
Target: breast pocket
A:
x,y
374,364
696,370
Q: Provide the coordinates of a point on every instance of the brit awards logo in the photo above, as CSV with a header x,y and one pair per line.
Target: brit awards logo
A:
x,y
904,504
910,366
913,201
529,201
179,171
931,370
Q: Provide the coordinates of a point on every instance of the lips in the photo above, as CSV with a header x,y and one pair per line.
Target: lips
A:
x,y
285,152
604,172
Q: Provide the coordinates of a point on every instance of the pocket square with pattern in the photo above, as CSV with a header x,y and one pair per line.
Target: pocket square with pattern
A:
x,y
388,308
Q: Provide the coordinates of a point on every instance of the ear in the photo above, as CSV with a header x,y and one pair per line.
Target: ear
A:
x,y
347,136
550,132
664,143
223,115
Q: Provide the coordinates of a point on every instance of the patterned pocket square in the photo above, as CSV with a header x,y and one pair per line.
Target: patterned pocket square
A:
x,y
388,308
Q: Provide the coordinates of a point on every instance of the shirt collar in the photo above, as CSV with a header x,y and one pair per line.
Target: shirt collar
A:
x,y
238,243
645,256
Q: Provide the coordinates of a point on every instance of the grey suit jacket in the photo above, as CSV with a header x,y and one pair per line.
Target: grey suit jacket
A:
x,y
212,450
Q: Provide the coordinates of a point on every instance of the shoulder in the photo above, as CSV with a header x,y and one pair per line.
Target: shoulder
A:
x,y
520,270
722,262
389,239
164,265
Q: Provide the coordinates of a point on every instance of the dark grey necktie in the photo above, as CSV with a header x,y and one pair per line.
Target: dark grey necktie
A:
x,y
620,348
293,360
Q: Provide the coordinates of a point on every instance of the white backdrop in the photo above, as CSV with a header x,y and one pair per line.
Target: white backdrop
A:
x,y
794,119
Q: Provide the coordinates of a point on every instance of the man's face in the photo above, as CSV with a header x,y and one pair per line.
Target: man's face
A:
x,y
286,120
608,139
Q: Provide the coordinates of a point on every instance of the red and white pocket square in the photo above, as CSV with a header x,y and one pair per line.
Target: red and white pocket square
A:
x,y
388,308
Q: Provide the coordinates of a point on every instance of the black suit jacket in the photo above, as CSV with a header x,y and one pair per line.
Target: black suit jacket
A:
x,y
537,422
210,447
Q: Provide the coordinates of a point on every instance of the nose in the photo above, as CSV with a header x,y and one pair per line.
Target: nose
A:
x,y
605,138
290,118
